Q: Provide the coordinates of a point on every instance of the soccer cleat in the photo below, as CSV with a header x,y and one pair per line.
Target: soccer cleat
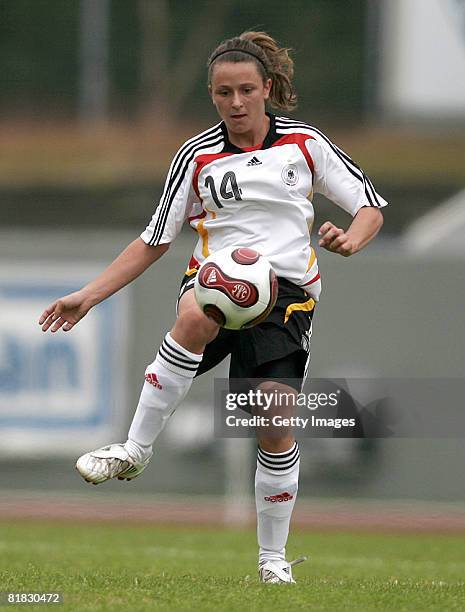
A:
x,y
278,572
111,461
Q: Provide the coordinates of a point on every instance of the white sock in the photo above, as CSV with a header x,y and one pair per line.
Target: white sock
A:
x,y
276,484
167,380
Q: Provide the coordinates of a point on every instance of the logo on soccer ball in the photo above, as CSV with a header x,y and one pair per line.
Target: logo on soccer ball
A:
x,y
211,277
290,174
236,287
241,292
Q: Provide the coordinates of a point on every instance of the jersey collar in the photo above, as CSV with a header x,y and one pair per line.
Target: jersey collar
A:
x,y
270,138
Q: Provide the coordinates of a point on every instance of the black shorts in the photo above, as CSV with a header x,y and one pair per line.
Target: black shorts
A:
x,y
276,349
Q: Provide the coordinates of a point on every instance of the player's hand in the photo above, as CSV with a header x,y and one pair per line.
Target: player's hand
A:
x,y
65,312
336,240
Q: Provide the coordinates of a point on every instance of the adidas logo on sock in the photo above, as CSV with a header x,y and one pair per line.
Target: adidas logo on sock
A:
x,y
254,161
281,497
153,380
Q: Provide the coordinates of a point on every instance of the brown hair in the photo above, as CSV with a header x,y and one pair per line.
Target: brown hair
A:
x,y
272,63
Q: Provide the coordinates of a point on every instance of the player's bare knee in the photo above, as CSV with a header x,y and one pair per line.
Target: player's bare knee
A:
x,y
193,328
275,434
270,386
198,322
281,398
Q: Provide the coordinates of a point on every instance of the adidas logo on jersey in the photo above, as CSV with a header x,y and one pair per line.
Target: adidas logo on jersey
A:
x,y
254,161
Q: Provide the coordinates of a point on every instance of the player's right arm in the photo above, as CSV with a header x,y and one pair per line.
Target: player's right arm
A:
x,y
174,207
131,263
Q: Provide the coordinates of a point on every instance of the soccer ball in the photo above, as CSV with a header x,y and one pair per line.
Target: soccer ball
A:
x,y
236,287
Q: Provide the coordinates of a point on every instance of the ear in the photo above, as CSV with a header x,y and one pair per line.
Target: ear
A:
x,y
210,93
267,88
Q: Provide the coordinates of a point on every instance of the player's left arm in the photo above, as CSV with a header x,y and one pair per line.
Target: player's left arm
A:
x,y
364,227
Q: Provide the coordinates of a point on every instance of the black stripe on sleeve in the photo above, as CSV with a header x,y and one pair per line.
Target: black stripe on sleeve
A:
x,y
161,223
351,166
375,195
178,172
355,169
180,155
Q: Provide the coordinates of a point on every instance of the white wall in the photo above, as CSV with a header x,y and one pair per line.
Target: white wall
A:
x,y
422,58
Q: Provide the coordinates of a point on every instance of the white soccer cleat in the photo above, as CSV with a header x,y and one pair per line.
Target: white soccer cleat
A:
x,y
111,461
278,572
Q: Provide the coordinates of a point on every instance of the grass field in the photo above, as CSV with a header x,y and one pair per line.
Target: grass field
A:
x,y
135,568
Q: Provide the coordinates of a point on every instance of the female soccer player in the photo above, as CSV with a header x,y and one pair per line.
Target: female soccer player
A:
x,y
246,181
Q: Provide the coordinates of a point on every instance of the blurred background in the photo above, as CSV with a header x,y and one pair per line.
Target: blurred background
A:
x,y
96,96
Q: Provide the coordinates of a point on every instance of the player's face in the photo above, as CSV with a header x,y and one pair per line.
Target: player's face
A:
x,y
239,94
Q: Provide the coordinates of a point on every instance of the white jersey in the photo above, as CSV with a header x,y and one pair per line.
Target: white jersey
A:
x,y
259,197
